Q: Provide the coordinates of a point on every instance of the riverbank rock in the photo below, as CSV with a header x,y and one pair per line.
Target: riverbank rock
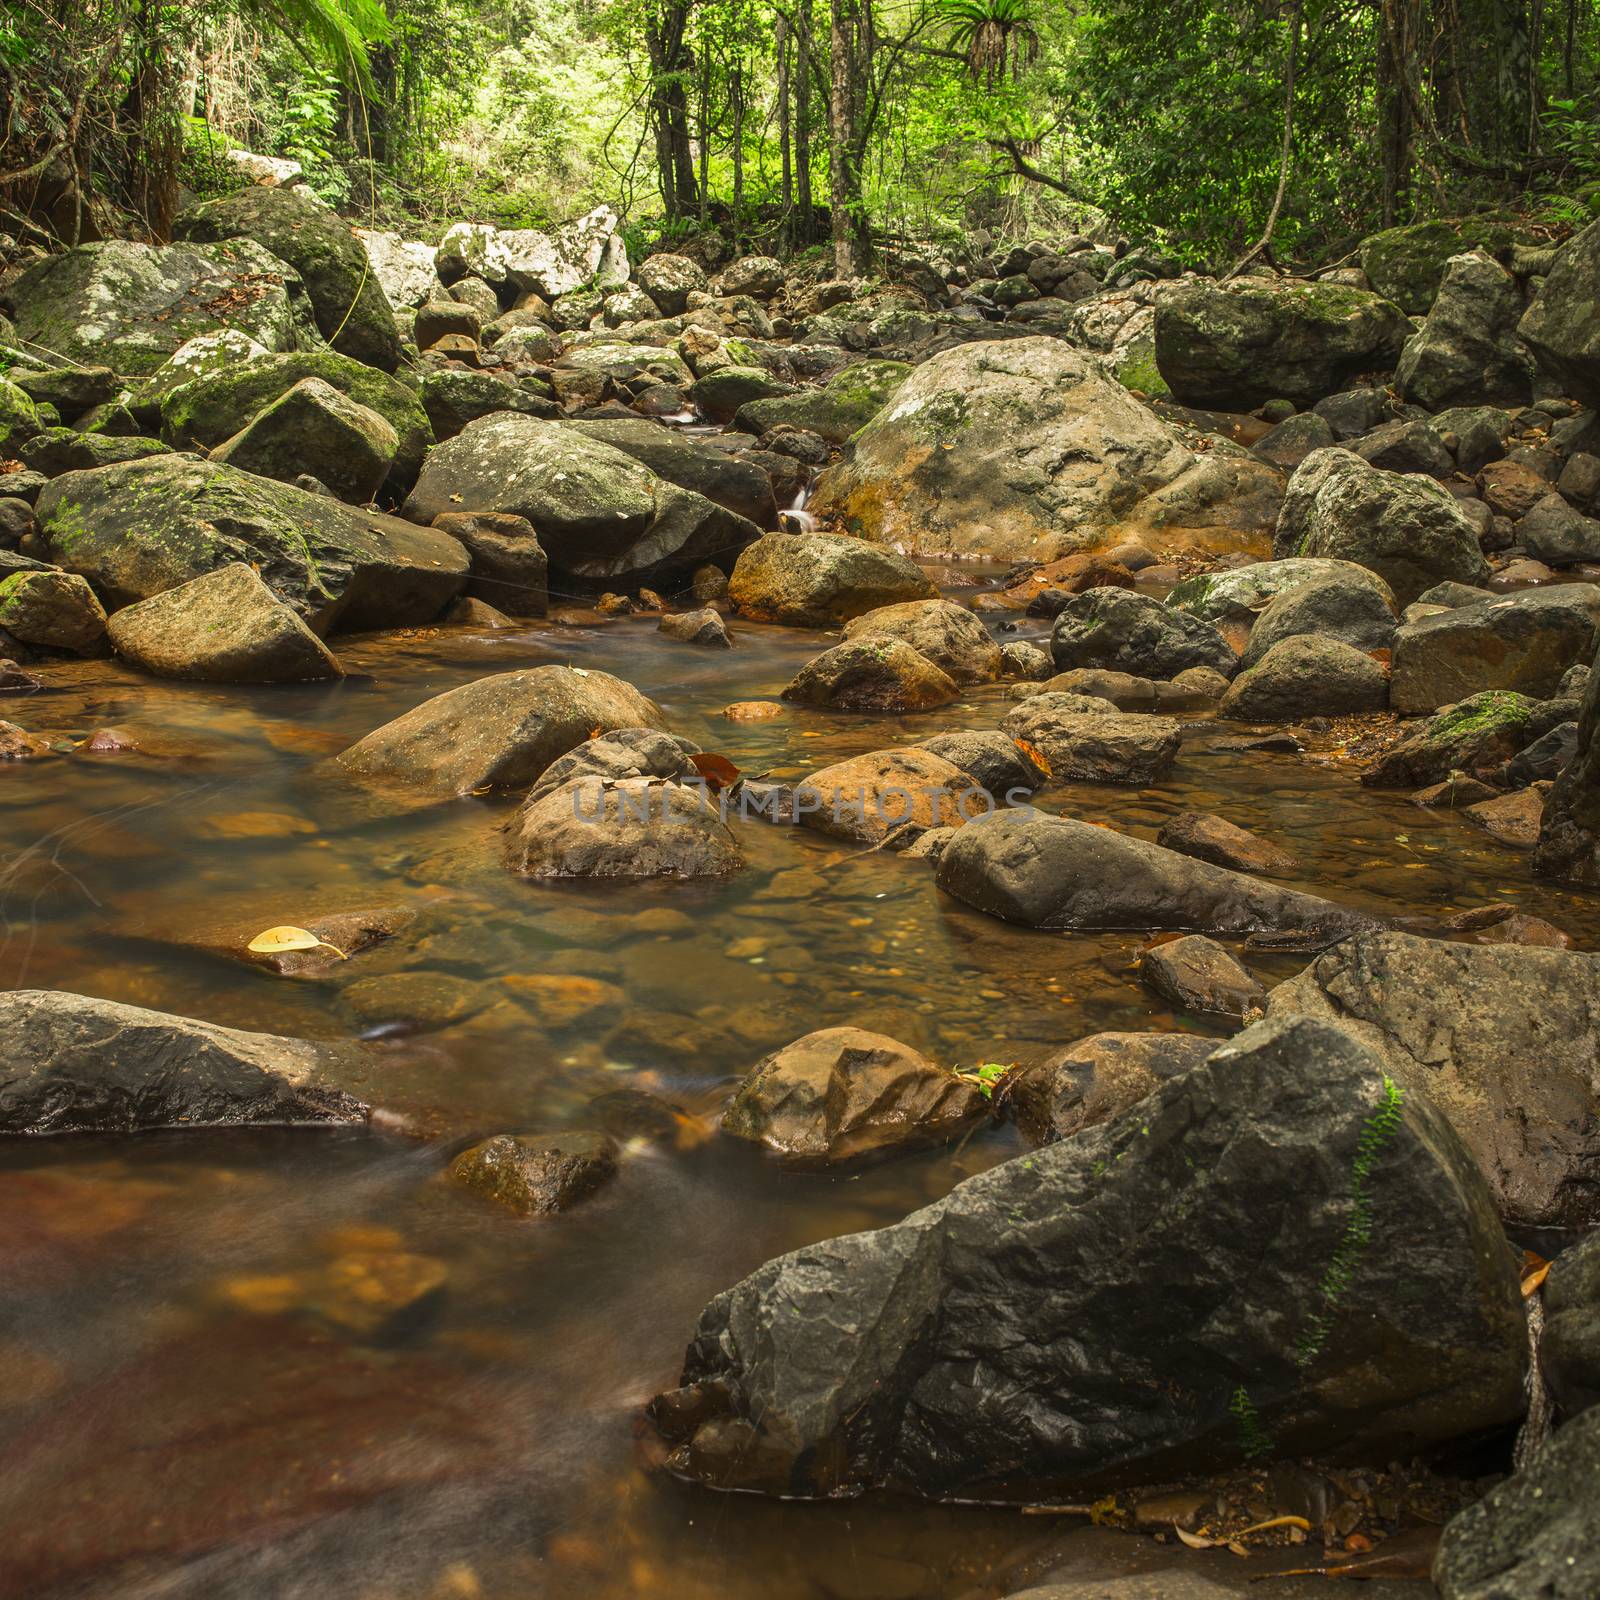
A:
x,y
1475,737
510,570
871,673
71,1064
1021,449
600,514
1408,529
848,401
819,580
896,794
991,1347
1569,1351
499,732
1086,744
1053,872
403,267
139,529
1560,326
132,306
1525,642
1000,766
949,635
1304,676
213,406
536,1174
594,827
1096,1079
52,611
314,429
352,312
226,626
703,627
1129,632
1240,594
1339,607
1234,346
1505,1039
1533,1535
736,486
842,1093
1468,351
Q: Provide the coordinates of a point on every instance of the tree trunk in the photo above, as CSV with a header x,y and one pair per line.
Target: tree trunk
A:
x,y
785,159
845,177
1396,52
670,62
805,222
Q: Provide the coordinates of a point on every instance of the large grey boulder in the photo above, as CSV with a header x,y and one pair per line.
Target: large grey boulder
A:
x,y
1054,872
1532,1537
499,732
1126,631
818,580
601,515
225,626
1235,346
1526,642
1351,606
403,267
1554,531
1468,351
588,251
315,429
214,402
1241,594
682,459
1562,326
1408,529
144,527
132,306
669,280
1022,449
1258,1303
1307,675
1505,1039
352,312
70,1064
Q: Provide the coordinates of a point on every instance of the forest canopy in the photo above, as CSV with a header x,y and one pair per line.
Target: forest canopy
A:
x,y
792,123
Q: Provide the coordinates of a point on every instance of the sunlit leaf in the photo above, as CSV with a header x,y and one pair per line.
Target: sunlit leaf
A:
x,y
718,771
280,941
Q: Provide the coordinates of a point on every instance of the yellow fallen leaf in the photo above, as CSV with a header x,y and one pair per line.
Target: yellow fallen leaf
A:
x,y
1196,1541
1274,1522
279,941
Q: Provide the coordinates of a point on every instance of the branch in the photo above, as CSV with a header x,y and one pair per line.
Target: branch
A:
x,y
1286,155
1024,168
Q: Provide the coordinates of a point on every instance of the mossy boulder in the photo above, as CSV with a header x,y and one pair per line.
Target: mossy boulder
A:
x,y
131,306
1407,264
53,611
1475,737
58,450
353,314
847,402
214,406
1562,326
19,418
1236,346
144,527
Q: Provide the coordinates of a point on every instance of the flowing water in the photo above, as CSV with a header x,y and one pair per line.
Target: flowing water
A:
x,y
189,1405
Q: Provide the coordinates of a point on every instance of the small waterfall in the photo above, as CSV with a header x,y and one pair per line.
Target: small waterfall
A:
x,y
795,518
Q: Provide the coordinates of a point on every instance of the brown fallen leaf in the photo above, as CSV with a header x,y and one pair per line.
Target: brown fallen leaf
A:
x,y
718,771
1535,1269
1274,1522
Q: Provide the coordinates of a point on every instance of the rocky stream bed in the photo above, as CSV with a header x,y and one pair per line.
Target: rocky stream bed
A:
x,y
964,903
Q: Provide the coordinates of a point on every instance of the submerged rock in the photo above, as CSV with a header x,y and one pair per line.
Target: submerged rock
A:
x,y
1196,974
1053,872
1350,1289
843,1093
1504,1038
892,795
226,626
498,732
70,1064
536,1174
1224,844
1084,744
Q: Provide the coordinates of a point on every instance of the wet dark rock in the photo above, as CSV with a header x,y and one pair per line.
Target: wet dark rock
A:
x,y
1341,607
1533,1536
1193,689
1232,347
1125,631
225,626
1454,793
52,611
702,627
1405,446
1085,744
1557,533
990,1345
1292,440
816,580
872,673
1307,675
846,402
509,567
1053,872
1511,489
593,827
536,1174
140,529
1504,1039
416,1001
17,521
351,309
1407,529
1525,642
601,515
621,753
1468,350
843,1093
1455,595
994,760
1224,844
59,450
71,390
1569,1351
70,1064
1353,412
1559,326
949,635
498,732
17,744
1196,974
889,795
1096,1079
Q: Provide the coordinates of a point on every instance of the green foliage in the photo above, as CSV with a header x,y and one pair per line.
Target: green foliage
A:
x,y
1254,1440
